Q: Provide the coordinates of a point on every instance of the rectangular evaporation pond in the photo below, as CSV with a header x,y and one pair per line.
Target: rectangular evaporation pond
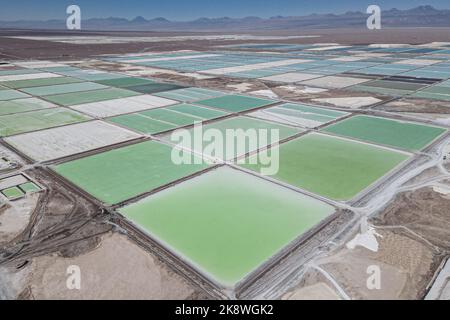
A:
x,y
13,193
252,74
61,70
93,75
381,71
291,77
159,120
11,72
227,223
117,175
125,82
190,94
154,87
29,187
437,92
68,140
393,133
11,95
115,107
19,84
246,124
298,115
444,84
427,74
17,77
386,84
64,88
38,120
438,89
432,96
332,167
235,103
71,99
23,105
334,82
381,91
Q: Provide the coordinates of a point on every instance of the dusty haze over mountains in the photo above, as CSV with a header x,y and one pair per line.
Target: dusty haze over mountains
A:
x,y
422,16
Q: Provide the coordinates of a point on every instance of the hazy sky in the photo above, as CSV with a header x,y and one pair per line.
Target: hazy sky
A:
x,y
191,9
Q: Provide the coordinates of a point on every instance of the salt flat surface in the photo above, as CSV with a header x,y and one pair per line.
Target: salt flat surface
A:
x,y
351,102
334,82
441,287
116,107
107,39
367,240
29,76
39,64
68,140
265,93
284,119
12,181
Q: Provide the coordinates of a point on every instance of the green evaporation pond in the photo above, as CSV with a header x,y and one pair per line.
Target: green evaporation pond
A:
x,y
190,94
29,187
75,98
227,223
249,127
163,119
19,84
335,168
22,105
120,174
38,120
399,134
125,82
235,103
12,193
154,87
64,88
432,96
11,94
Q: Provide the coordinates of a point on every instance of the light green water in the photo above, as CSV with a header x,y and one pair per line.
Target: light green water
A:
x,y
163,119
22,105
226,222
190,94
332,167
405,135
37,120
12,193
262,129
125,82
120,174
64,88
11,94
235,103
29,187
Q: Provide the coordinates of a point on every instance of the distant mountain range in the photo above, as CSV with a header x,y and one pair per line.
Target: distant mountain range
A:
x,y
422,16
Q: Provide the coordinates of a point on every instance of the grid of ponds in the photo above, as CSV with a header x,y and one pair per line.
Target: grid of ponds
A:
x,y
109,134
